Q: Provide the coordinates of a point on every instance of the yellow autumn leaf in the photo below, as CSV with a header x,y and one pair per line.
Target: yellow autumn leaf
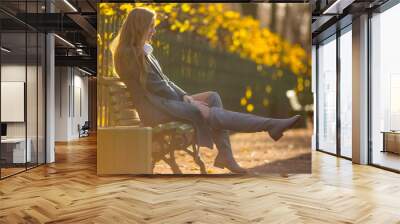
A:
x,y
250,107
249,93
265,102
243,101
268,88
108,12
167,8
126,7
185,7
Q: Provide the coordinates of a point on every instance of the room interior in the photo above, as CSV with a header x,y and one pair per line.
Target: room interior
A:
x,y
26,101
48,173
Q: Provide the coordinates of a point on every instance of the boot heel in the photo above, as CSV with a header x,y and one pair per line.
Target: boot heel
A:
x,y
275,136
231,166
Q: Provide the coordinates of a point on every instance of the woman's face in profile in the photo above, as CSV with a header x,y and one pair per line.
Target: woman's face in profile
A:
x,y
151,31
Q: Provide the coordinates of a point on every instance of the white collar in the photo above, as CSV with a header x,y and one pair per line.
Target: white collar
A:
x,y
148,49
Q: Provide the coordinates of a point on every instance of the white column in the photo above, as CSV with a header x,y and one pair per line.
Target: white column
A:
x,y
50,100
63,103
360,90
50,92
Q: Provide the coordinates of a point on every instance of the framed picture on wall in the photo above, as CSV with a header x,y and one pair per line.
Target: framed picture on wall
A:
x,y
12,101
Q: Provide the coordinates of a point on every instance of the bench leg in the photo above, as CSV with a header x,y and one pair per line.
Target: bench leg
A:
x,y
172,163
197,159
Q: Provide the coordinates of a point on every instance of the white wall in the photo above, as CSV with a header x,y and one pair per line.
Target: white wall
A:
x,y
13,73
61,103
71,94
80,110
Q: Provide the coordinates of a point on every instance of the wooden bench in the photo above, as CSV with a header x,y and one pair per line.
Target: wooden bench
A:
x,y
136,149
117,110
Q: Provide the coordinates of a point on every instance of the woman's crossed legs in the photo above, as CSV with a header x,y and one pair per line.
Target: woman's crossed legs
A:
x,y
210,105
202,102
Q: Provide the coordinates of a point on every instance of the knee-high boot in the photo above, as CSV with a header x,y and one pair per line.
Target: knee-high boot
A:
x,y
242,122
225,157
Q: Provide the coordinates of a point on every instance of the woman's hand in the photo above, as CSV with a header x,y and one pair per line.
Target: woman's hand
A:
x,y
188,99
197,102
203,107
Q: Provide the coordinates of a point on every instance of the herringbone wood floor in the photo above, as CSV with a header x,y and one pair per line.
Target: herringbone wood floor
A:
x,y
70,192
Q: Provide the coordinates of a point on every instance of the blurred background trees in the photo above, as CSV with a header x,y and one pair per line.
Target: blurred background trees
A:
x,y
291,21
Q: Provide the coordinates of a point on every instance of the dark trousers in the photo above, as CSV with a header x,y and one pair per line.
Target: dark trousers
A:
x,y
221,121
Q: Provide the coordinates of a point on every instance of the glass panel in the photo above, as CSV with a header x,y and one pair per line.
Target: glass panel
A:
x,y
327,96
385,84
31,98
32,87
346,94
13,86
41,98
41,7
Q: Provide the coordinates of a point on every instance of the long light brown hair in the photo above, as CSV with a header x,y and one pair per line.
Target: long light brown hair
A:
x,y
127,47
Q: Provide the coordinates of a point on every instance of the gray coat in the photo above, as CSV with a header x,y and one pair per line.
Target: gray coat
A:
x,y
163,102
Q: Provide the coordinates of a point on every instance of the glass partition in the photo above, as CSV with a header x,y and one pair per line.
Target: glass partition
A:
x,y
14,153
22,90
32,95
346,92
327,95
